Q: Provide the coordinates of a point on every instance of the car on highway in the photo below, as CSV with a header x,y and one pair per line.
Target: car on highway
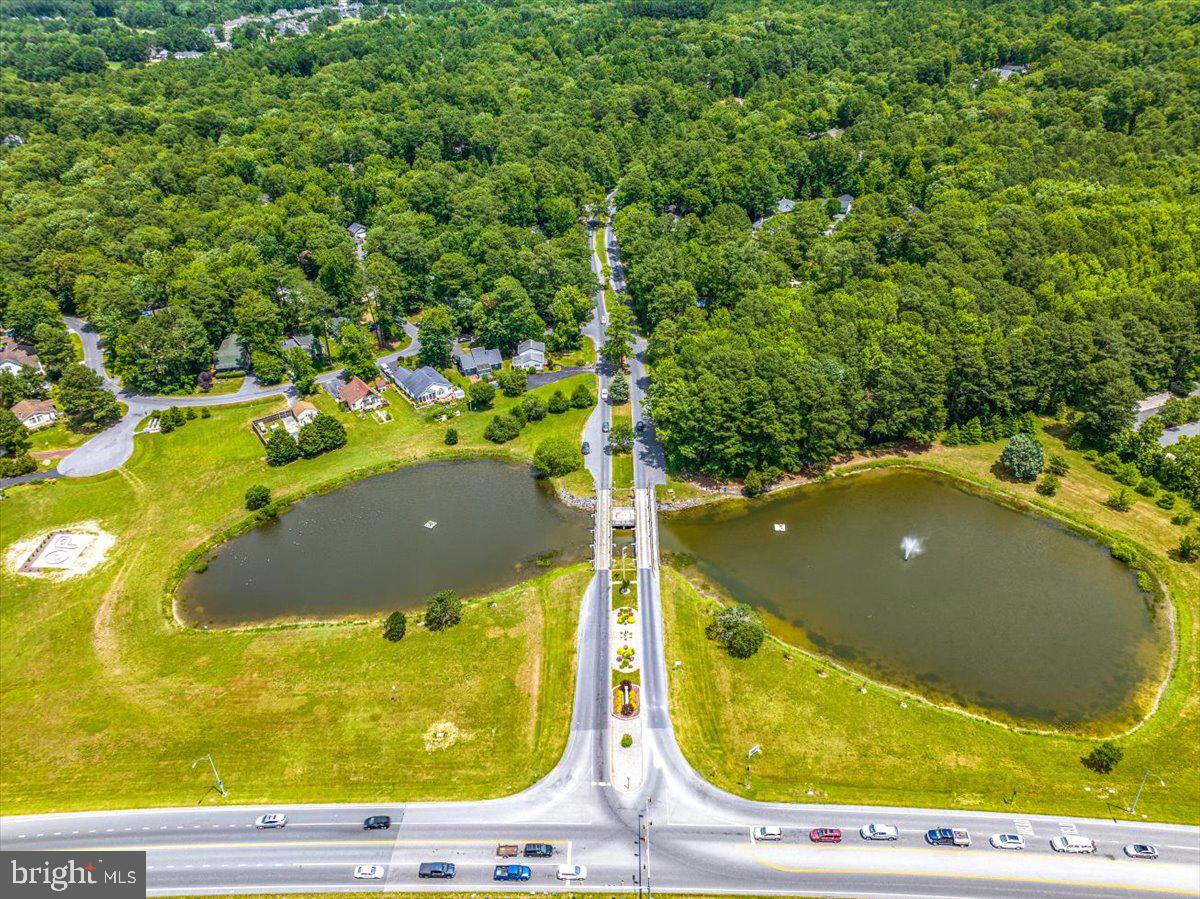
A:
x,y
271,821
576,873
368,872
766,834
1073,843
947,836
377,822
587,447
538,850
1141,850
879,832
436,870
1007,841
825,835
512,872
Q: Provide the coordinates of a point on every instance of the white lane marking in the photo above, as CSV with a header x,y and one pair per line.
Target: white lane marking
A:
x,y
1068,827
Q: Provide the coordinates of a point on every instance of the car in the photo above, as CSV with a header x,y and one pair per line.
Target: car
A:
x,y
512,872
1007,841
640,426
377,822
508,850
766,834
436,870
1073,843
1141,850
879,832
947,836
587,447
825,835
605,427
538,850
271,821
604,394
368,872
572,872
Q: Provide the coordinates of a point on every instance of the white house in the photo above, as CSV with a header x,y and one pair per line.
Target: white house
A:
x,y
14,355
531,355
423,385
359,396
36,414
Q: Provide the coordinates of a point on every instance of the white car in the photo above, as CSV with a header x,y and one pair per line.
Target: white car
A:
x,y
1007,841
368,872
879,832
572,872
1141,850
766,834
1072,843
270,821
604,394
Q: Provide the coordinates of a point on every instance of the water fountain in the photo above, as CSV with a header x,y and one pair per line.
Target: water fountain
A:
x,y
911,546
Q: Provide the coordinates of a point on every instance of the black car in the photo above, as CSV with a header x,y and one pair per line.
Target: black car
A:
x,y
641,426
587,447
538,850
377,822
436,870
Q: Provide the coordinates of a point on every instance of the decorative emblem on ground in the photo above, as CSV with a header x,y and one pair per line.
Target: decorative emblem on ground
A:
x,y
442,735
61,554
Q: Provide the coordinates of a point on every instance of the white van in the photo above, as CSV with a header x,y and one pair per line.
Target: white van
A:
x,y
1072,843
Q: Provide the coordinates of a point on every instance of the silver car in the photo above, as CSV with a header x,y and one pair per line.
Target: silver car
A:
x,y
270,821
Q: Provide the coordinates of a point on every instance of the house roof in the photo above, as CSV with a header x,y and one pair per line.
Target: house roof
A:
x,y
477,357
418,382
28,408
303,406
231,353
526,345
304,341
357,231
355,390
11,351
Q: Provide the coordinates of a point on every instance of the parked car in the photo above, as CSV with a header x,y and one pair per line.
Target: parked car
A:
x,y
577,873
825,835
587,447
271,821
766,834
1141,850
436,870
1007,841
1074,843
512,872
947,836
879,832
368,872
377,822
538,850
604,393
640,426
606,427
508,850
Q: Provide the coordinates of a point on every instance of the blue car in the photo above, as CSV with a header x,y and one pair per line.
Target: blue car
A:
x,y
512,872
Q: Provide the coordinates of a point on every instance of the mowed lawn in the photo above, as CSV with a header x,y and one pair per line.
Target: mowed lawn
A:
x,y
825,741
106,703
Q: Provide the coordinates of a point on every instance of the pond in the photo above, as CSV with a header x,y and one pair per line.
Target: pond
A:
x,y
994,610
366,548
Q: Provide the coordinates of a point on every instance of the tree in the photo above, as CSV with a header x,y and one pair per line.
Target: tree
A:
x,y
436,333
1023,457
618,389
395,627
309,441
25,313
533,408
1048,485
557,456
512,381
582,397
26,384
972,432
1057,465
1189,548
87,404
451,436
331,431
1120,500
443,610
269,365
163,353
739,629
355,352
621,436
54,348
281,448
506,316
501,429
257,497
1106,399
753,484
1103,758
301,369
618,336
481,394
14,436
558,403
569,310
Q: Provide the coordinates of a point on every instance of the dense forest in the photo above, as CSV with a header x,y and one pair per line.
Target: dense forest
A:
x,y
1008,239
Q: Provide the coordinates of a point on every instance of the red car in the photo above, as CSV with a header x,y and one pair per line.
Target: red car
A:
x,y
825,835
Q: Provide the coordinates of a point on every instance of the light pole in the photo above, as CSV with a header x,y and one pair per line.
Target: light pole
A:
x,y
1142,786
213,765
624,550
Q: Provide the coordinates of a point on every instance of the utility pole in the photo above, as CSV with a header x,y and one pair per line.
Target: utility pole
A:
x,y
641,879
216,776
1161,783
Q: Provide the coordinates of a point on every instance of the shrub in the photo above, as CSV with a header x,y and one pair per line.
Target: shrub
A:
x,y
1022,457
618,389
1049,485
170,419
557,456
753,485
205,412
1103,758
1182,518
1120,500
952,437
190,415
626,741
481,394
1057,465
1166,501
281,448
15,466
257,497
1123,552
739,629
443,610
1147,487
513,381
395,627
1189,548
558,403
502,428
451,437
582,397
621,436
534,408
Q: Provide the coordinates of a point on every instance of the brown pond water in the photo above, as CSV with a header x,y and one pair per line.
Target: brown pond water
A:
x,y
997,611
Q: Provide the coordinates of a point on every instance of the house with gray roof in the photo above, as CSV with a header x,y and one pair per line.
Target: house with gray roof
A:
x,y
477,361
231,355
423,385
531,355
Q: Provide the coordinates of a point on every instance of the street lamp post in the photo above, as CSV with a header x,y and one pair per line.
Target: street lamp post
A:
x,y
213,765
1142,786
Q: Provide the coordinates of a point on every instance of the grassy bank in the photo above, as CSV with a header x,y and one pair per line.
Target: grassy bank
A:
x,y
106,703
826,741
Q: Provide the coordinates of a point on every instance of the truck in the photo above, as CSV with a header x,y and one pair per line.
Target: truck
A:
x,y
512,872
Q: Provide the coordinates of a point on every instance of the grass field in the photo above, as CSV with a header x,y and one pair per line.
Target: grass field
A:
x,y
55,437
825,741
622,463
105,703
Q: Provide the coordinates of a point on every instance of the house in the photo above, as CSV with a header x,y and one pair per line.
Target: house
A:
x,y
531,355
231,355
14,355
1009,69
358,232
477,361
423,385
359,396
304,342
291,420
304,411
36,414
781,208
334,387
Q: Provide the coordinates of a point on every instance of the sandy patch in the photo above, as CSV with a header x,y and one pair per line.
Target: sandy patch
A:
x,y
62,553
443,735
